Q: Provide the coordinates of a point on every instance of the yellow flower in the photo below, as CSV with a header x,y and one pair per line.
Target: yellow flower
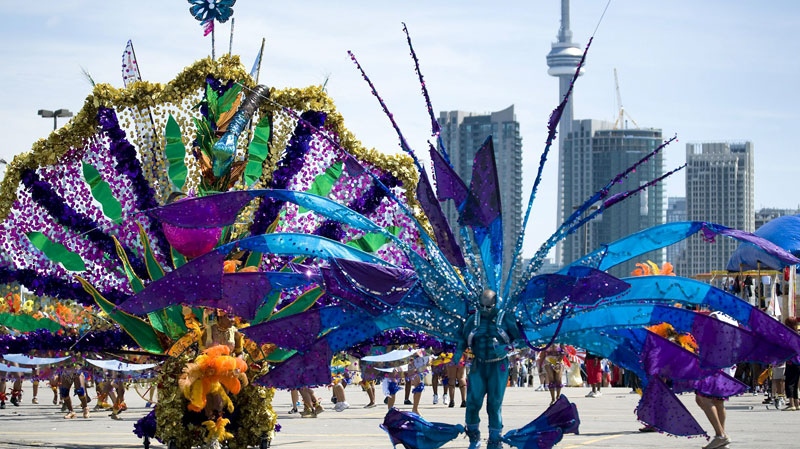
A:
x,y
216,429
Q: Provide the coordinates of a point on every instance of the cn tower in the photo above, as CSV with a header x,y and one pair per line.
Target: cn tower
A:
x,y
562,61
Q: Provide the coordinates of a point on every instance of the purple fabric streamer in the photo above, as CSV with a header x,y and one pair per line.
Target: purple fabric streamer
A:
x,y
242,294
660,408
309,369
723,344
483,202
297,332
210,211
413,431
547,429
445,239
371,287
718,385
661,357
770,248
195,281
773,330
449,186
582,286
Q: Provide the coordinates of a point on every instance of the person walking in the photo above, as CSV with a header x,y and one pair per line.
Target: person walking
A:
x,y
792,371
551,361
594,374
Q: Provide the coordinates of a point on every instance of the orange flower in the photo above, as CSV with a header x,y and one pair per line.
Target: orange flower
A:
x,y
212,370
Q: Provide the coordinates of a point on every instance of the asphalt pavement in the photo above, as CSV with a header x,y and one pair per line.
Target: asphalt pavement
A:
x,y
606,422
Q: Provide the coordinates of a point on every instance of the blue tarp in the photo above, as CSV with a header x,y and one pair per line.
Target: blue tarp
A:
x,y
783,231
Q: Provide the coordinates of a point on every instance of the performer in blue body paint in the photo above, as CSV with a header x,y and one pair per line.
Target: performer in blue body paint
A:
x,y
490,334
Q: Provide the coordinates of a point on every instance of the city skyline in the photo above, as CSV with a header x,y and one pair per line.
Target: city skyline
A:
x,y
696,70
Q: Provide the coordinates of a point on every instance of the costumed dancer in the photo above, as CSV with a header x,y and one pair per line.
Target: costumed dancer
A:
x,y
456,377
439,374
417,368
368,383
69,377
391,385
551,362
3,391
792,372
490,335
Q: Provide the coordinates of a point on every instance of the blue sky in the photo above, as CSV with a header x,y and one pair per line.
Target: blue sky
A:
x,y
704,71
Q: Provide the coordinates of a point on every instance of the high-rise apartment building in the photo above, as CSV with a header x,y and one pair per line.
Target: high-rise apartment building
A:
x,y
768,214
676,211
594,153
463,133
719,189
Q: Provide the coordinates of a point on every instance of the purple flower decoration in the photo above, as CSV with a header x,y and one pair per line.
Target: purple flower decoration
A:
x,y
208,10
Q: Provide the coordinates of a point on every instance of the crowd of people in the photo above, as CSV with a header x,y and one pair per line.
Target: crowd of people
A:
x,y
548,370
72,387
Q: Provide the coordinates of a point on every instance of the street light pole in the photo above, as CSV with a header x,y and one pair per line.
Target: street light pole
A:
x,y
45,113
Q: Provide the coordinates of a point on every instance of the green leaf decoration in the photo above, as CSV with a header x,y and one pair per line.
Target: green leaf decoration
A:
x,y
302,303
212,99
141,332
373,241
323,183
169,320
101,192
178,259
27,323
173,321
228,98
175,152
253,259
56,252
204,136
264,311
154,268
257,151
136,284
157,321
279,355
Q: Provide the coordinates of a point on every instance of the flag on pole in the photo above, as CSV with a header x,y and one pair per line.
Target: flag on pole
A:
x,y
208,27
130,68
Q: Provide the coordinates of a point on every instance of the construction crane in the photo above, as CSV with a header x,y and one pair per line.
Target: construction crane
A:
x,y
622,113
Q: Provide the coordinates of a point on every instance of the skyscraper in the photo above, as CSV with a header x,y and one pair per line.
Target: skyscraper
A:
x,y
463,133
719,189
594,153
562,61
676,211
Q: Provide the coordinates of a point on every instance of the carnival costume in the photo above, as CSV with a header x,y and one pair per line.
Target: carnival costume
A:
x,y
344,244
490,334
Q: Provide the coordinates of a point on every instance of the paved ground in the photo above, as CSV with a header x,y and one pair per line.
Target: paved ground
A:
x,y
607,422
